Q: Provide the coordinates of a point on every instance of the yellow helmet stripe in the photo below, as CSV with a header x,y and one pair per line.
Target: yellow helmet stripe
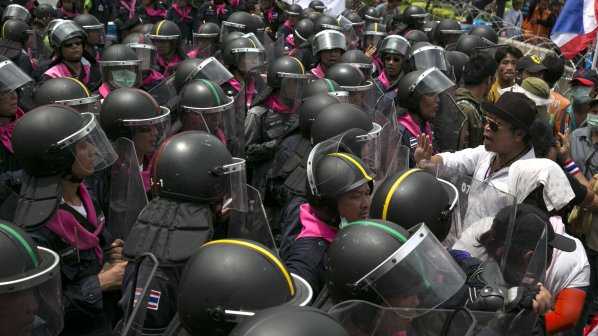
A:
x,y
345,156
392,190
3,27
261,250
376,27
300,64
80,84
159,26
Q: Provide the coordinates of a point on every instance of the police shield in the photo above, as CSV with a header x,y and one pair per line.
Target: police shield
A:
x,y
127,193
364,318
165,93
349,32
450,122
8,203
394,156
253,223
141,297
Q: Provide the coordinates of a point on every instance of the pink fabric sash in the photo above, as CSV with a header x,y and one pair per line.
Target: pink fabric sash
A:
x,y
184,16
153,77
6,131
219,8
155,12
314,227
318,71
64,225
130,8
68,14
289,25
384,80
250,89
60,70
290,40
406,120
221,136
269,12
104,90
378,63
174,61
274,103
235,3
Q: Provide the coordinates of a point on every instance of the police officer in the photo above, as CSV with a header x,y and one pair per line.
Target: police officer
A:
x,y
68,40
271,115
272,16
328,46
166,36
214,11
360,88
299,46
392,50
413,18
43,15
372,15
120,69
193,185
29,285
292,12
96,34
374,33
195,68
15,43
447,33
146,52
67,91
205,41
57,211
185,16
358,59
241,56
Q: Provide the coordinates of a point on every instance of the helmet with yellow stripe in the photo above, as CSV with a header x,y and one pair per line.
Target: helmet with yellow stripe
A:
x,y
242,53
67,91
416,196
229,280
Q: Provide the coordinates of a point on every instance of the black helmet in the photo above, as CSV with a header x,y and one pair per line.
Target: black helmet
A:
x,y
326,22
45,10
349,77
166,30
126,111
64,31
310,108
428,28
467,43
30,278
416,84
362,246
206,39
16,30
422,56
337,119
239,21
457,61
376,32
15,11
143,46
242,49
252,272
317,5
294,10
290,321
120,67
447,32
358,59
12,77
372,14
414,16
415,36
486,33
328,40
199,175
355,19
311,15
283,67
183,72
67,91
208,29
304,29
96,33
146,28
57,129
324,85
231,36
401,196
394,44
201,97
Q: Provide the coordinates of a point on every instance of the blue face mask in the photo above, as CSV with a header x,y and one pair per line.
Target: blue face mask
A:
x,y
123,78
592,121
580,94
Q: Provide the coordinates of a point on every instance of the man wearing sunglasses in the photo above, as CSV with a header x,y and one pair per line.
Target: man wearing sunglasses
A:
x,y
506,140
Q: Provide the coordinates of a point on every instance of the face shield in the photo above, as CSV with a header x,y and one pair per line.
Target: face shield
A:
x,y
32,304
205,44
90,146
66,30
450,36
431,83
121,74
229,27
394,44
419,19
428,57
90,104
328,40
372,38
420,274
96,35
210,119
211,70
15,11
349,31
147,134
146,53
236,196
12,78
293,85
363,96
248,58
165,43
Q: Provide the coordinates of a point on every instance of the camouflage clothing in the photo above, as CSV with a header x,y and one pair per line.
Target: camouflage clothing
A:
x,y
473,110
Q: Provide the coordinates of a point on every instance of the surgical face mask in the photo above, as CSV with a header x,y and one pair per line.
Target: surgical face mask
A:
x,y
581,94
123,78
592,120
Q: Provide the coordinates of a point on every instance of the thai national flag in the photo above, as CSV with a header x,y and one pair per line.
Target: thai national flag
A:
x,y
154,298
413,142
575,27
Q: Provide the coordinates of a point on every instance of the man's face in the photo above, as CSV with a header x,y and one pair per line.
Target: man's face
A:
x,y
145,139
163,47
428,107
355,204
8,104
330,57
393,64
506,69
499,135
84,165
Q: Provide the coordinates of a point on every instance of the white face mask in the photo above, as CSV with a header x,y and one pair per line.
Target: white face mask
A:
x,y
123,78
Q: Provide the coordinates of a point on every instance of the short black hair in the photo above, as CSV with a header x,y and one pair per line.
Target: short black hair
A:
x,y
478,68
555,67
503,52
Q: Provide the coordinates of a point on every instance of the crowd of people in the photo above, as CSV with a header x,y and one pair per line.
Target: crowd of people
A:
x,y
248,168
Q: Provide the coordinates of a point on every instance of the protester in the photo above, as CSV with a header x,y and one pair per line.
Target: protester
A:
x,y
506,58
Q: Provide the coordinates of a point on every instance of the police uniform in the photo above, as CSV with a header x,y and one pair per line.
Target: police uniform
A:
x,y
207,13
186,25
273,17
473,110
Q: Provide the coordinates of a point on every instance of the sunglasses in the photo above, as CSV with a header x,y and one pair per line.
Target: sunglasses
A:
x,y
71,44
493,125
393,59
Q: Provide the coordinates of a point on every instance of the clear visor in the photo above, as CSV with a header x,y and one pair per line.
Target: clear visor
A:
x,y
343,96
33,305
210,119
236,196
65,30
146,54
366,68
96,35
155,38
16,12
292,89
252,224
394,157
212,70
126,74
429,57
149,133
12,78
229,27
256,41
431,83
420,274
365,318
394,44
371,149
329,40
249,58
90,146
31,39
51,26
373,39
206,45
364,96
90,104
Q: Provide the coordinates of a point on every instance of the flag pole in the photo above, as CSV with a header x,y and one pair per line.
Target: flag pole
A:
x,y
594,58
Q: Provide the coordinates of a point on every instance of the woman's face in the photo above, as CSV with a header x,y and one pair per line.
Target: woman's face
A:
x,y
164,47
84,164
68,5
8,104
145,139
72,50
330,57
428,107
